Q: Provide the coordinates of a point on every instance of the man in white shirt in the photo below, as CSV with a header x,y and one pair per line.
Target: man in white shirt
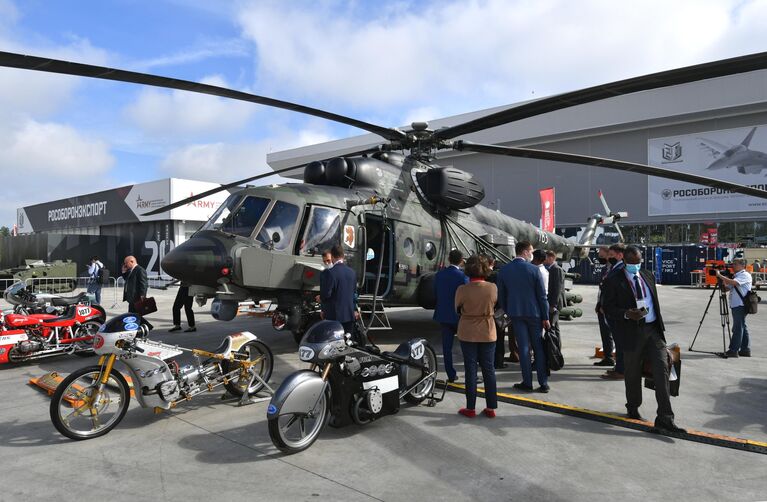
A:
x,y
539,256
94,281
738,286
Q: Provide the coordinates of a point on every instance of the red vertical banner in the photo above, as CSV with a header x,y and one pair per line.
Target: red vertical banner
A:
x,y
547,209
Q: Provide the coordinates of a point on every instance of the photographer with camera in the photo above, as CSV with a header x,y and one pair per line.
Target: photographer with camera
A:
x,y
738,285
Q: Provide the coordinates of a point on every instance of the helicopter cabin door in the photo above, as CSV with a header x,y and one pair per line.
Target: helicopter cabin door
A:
x,y
377,252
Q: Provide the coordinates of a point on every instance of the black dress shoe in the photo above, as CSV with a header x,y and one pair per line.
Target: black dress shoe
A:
x,y
744,353
730,353
521,386
544,389
452,379
668,426
634,414
190,329
500,366
174,328
511,359
605,362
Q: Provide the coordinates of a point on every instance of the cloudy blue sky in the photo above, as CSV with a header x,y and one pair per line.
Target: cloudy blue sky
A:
x,y
383,62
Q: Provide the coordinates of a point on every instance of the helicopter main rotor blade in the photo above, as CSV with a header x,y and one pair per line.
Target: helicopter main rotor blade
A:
x,y
609,164
740,64
235,184
212,191
14,60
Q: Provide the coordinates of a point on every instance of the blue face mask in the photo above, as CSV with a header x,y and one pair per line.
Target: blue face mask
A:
x,y
633,268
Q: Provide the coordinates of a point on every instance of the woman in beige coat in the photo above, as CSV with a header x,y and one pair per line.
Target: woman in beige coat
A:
x,y
475,303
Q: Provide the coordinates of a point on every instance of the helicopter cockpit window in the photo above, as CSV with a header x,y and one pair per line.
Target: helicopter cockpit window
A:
x,y
235,218
322,232
278,229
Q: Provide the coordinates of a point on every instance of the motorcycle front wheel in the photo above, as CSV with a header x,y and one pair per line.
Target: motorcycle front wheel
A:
x,y
81,408
252,350
295,432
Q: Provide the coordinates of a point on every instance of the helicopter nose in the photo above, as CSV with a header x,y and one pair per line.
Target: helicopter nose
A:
x,y
199,260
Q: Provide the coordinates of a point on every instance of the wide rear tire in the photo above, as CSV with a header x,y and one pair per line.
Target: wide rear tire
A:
x,y
422,391
253,350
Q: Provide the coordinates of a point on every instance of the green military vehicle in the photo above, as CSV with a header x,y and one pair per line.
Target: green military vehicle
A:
x,y
58,276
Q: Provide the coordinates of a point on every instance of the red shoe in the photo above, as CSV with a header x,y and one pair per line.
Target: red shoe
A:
x,y
489,412
467,412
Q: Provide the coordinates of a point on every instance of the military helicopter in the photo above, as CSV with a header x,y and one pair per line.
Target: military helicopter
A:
x,y
395,209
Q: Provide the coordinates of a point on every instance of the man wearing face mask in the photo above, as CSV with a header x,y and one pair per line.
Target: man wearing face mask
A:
x,y
615,259
604,328
630,302
522,295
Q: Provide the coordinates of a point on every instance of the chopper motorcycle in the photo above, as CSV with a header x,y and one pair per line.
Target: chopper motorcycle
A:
x,y
91,401
348,382
35,336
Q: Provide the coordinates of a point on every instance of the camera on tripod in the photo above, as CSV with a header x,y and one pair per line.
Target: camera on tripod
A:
x,y
723,269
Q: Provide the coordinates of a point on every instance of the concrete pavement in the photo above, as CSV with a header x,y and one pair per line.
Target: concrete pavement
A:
x,y
213,449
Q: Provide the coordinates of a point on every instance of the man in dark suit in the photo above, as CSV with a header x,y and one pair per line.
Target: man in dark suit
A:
x,y
604,327
522,295
615,259
556,293
446,282
136,282
630,302
337,287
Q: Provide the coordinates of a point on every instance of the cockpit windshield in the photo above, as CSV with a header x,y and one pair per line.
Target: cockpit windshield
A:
x,y
277,231
322,232
239,215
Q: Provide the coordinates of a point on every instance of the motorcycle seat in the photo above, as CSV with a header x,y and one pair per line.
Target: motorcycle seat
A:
x,y
61,301
64,320
401,354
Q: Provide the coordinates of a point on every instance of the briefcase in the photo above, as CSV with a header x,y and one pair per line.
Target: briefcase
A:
x,y
146,306
674,362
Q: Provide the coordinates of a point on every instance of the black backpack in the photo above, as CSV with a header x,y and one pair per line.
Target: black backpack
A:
x,y
102,275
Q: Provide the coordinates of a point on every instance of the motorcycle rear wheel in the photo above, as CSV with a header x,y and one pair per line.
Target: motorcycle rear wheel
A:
x,y
289,433
253,349
85,349
79,411
422,391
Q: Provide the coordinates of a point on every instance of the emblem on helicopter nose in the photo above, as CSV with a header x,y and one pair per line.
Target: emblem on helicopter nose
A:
x,y
349,235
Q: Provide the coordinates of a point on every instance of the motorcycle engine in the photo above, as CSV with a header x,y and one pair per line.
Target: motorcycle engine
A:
x,y
32,345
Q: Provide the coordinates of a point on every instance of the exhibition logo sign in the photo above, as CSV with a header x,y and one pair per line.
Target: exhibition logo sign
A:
x,y
734,155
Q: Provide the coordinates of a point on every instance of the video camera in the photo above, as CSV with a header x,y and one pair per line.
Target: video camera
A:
x,y
725,270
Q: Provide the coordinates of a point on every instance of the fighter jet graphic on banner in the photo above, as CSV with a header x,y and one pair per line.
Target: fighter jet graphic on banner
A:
x,y
739,156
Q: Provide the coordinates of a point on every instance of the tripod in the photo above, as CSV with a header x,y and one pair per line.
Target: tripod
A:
x,y
724,319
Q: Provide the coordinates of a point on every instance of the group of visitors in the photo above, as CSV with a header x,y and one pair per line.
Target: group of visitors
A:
x,y
481,304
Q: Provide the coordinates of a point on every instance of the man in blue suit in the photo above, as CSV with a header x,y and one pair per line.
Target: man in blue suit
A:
x,y
522,295
446,283
337,287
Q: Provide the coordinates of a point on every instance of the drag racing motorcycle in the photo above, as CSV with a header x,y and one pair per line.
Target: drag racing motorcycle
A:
x,y
93,400
36,336
348,382
25,301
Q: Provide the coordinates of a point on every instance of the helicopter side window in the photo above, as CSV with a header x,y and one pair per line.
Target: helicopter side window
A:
x,y
278,229
240,221
322,232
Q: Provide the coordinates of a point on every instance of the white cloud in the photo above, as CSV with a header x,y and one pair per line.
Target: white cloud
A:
x,y
463,55
223,162
43,161
181,113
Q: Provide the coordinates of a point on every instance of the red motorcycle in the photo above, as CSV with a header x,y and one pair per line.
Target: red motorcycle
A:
x,y
35,336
